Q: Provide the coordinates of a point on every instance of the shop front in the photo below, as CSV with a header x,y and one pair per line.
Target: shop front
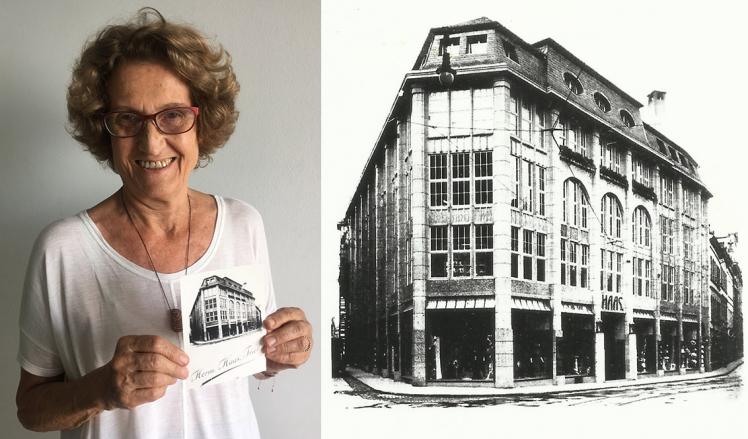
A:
x,y
533,339
575,351
459,340
669,343
646,342
691,348
614,329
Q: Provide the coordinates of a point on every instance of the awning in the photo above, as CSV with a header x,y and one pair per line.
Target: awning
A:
x,y
668,317
690,319
576,308
461,303
530,304
643,314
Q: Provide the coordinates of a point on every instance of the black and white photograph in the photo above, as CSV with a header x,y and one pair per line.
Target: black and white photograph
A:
x,y
225,323
541,208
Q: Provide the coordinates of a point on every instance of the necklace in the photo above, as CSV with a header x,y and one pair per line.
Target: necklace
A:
x,y
175,314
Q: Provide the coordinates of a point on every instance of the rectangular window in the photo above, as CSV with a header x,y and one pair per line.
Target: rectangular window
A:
x,y
516,163
541,191
563,261
513,112
483,177
526,121
583,270
540,140
477,44
647,277
527,250
528,170
452,45
438,180
438,249
515,252
484,250
573,263
540,256
461,179
461,251
610,274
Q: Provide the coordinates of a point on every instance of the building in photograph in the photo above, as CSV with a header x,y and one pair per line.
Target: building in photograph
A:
x,y
726,289
517,222
222,308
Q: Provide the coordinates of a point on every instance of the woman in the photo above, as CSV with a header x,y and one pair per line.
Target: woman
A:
x,y
99,347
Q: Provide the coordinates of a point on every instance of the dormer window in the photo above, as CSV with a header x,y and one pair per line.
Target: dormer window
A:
x,y
602,102
452,44
661,145
573,83
510,51
477,44
627,118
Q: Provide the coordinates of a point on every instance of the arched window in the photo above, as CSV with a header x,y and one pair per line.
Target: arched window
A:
x,y
575,204
641,227
627,118
573,83
611,215
602,102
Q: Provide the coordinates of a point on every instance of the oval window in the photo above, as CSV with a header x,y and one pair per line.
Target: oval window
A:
x,y
627,119
573,83
602,102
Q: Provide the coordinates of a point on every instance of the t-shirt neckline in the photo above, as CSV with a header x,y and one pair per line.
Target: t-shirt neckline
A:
x,y
144,272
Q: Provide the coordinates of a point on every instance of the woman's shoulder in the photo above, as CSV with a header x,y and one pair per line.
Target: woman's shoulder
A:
x,y
236,208
60,233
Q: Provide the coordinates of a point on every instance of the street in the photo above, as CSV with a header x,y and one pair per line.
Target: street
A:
x,y
353,394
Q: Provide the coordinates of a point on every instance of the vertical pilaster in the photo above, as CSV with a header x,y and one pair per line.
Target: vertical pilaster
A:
x,y
419,240
595,266
502,195
629,204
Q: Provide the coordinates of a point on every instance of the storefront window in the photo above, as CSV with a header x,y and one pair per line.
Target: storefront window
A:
x,y
576,348
459,345
532,344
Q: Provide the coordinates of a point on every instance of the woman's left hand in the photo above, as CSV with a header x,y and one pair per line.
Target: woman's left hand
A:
x,y
288,342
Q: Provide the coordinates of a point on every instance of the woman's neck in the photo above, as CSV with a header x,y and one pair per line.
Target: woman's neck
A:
x,y
167,217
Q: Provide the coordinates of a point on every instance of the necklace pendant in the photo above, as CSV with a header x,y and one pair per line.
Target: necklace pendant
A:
x,y
175,316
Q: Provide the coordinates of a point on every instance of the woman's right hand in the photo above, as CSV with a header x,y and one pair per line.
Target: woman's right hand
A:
x,y
142,367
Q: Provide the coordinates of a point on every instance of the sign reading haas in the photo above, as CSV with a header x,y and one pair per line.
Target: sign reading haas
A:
x,y
612,303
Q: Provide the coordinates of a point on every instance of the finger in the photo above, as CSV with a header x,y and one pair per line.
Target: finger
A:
x,y
158,345
283,315
144,380
290,359
289,331
301,344
158,363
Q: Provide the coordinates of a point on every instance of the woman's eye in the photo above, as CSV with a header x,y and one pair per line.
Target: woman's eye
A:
x,y
127,119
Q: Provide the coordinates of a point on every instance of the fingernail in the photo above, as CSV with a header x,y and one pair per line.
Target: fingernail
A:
x,y
270,322
270,341
184,359
185,373
271,349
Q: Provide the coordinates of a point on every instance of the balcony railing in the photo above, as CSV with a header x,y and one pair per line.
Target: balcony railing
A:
x,y
614,177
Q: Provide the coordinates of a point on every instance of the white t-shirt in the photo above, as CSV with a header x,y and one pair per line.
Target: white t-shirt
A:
x,y
81,296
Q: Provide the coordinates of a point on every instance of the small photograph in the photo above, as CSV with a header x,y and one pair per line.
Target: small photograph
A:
x,y
223,328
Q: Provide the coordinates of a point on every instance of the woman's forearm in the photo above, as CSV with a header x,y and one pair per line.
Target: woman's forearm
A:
x,y
61,405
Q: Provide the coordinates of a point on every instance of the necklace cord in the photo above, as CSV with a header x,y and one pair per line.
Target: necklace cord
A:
x,y
142,241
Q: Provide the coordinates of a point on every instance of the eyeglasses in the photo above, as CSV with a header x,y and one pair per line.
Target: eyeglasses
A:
x,y
169,121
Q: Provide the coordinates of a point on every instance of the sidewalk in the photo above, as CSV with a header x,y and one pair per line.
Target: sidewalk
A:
x,y
388,386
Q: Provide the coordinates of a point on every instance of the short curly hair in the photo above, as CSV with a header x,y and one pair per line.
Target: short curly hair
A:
x,y
205,68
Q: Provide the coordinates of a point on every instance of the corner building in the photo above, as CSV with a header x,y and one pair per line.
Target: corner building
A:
x,y
522,226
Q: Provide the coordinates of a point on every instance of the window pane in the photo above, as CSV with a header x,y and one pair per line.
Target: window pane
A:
x,y
484,263
439,265
461,267
527,267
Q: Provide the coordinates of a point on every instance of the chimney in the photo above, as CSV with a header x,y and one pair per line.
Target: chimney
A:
x,y
656,108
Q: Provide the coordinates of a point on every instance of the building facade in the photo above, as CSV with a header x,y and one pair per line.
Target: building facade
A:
x,y
726,288
523,225
223,308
